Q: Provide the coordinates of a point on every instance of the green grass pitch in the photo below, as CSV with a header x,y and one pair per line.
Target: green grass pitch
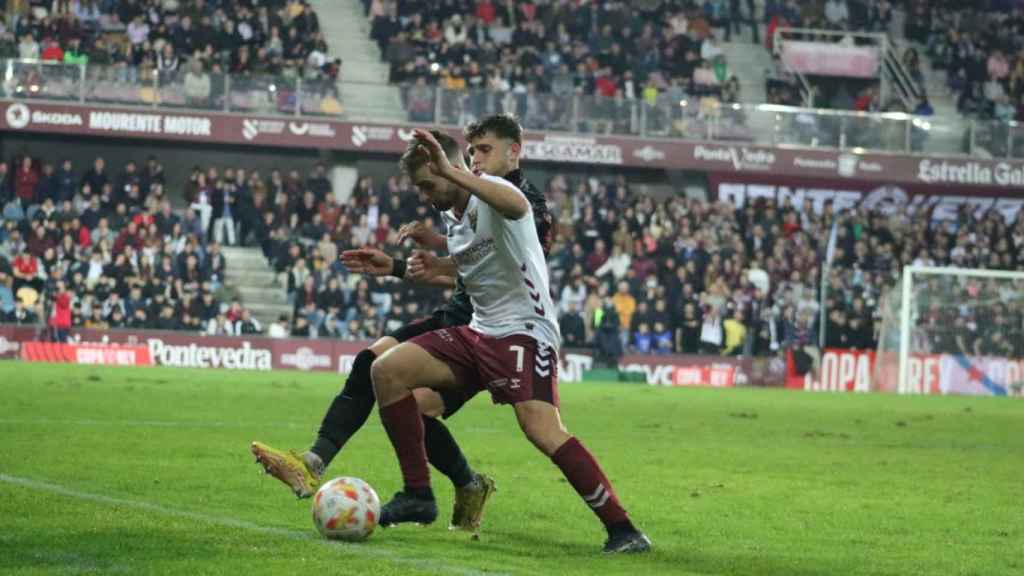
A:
x,y
147,471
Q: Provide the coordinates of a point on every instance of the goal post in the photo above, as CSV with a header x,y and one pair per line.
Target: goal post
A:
x,y
952,331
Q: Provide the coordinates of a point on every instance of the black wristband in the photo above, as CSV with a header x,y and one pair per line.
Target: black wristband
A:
x,y
398,267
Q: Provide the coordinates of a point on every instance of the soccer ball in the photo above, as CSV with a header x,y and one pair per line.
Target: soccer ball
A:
x,y
346,509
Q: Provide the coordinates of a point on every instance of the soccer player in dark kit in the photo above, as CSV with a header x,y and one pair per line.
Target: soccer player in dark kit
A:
x,y
496,143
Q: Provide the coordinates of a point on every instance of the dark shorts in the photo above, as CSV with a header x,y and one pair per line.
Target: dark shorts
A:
x,y
514,369
453,399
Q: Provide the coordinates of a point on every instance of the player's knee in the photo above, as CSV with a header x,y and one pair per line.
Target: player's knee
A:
x,y
429,402
383,375
382,345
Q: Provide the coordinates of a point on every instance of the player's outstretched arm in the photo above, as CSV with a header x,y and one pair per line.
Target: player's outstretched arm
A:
x,y
369,261
373,262
507,200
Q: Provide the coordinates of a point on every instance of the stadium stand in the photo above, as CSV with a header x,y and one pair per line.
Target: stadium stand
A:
x,y
748,277
205,54
126,258
985,71
526,58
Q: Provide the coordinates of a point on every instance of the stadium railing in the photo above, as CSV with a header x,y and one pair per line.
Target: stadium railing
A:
x,y
281,94
666,116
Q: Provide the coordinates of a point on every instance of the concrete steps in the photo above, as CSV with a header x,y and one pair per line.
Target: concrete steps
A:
x,y
749,63
252,279
364,76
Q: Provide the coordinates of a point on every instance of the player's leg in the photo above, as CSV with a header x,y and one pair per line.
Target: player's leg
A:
x,y
395,376
472,489
346,414
524,373
352,406
542,424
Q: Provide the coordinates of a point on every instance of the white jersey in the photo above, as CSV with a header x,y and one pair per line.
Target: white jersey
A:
x,y
502,264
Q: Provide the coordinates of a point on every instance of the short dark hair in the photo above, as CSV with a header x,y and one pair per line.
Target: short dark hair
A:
x,y
503,126
416,156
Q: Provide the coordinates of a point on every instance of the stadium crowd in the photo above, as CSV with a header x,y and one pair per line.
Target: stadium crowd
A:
x,y
530,58
185,47
634,274
85,246
102,248
979,45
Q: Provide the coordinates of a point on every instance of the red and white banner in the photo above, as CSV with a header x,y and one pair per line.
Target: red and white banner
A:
x,y
841,371
831,59
100,354
712,375
927,374
695,370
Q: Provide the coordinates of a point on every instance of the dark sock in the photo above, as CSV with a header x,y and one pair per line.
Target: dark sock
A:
x,y
348,411
444,453
585,475
421,493
405,429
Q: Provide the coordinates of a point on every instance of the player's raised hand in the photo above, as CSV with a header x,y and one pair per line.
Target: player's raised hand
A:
x,y
439,163
367,261
421,234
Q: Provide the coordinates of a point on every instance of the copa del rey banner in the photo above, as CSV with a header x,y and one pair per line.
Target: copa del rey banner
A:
x,y
88,353
927,374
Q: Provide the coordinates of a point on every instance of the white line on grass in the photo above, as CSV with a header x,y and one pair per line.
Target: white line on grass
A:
x,y
344,548
149,423
187,424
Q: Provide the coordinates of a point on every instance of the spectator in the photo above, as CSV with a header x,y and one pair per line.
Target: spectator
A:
x,y
837,14
711,332
735,334
28,48
609,336
571,326
25,182
625,306
247,325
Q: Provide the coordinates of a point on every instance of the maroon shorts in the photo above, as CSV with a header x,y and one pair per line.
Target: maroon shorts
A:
x,y
515,368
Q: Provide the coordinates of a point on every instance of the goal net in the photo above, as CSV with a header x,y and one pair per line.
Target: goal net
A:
x,y
952,331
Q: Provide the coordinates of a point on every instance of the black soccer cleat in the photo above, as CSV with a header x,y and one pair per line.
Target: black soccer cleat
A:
x,y
631,541
405,508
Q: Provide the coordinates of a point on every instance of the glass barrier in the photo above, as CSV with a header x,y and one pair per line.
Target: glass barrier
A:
x,y
596,114
319,97
44,81
797,127
876,132
420,100
667,115
263,94
999,139
1016,141
190,87
937,135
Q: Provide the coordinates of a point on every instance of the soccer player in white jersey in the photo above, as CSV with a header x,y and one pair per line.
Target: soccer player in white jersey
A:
x,y
510,347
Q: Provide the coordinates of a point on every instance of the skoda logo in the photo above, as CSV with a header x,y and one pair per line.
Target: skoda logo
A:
x,y
18,116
